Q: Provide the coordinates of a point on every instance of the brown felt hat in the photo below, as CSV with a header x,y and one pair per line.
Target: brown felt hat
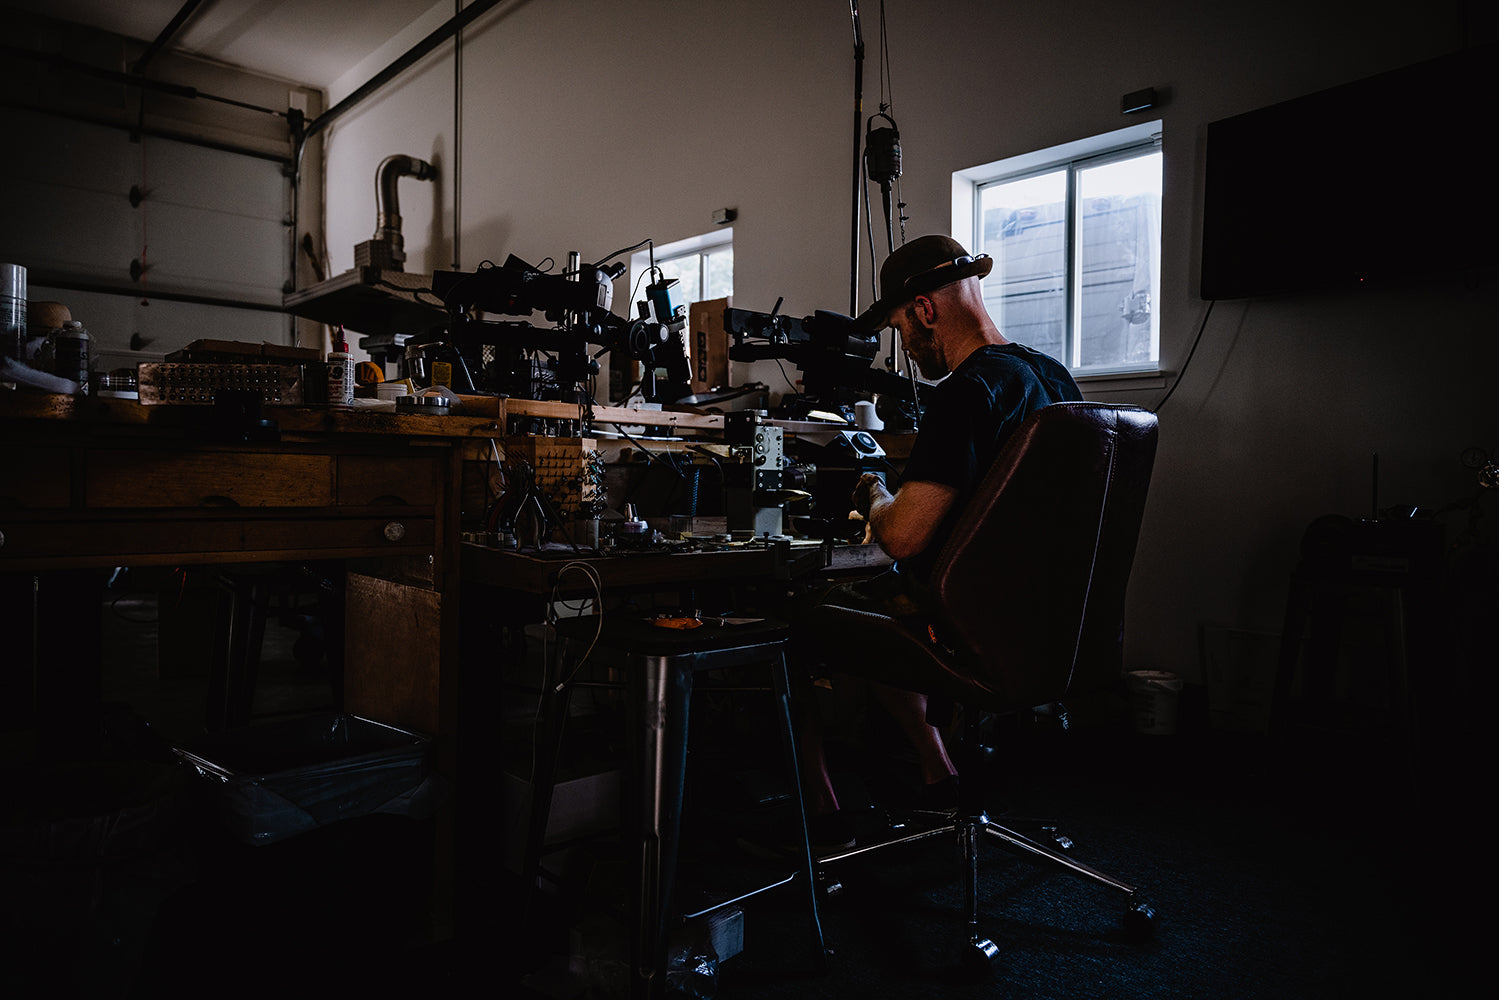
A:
x,y
916,268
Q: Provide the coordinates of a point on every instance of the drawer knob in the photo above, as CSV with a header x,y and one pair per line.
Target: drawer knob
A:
x,y
394,531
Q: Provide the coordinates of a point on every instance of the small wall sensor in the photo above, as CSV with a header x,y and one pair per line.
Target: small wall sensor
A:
x,y
1137,101
721,216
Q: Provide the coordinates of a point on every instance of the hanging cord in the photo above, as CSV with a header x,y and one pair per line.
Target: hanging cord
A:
x,y
598,598
537,728
887,102
1195,340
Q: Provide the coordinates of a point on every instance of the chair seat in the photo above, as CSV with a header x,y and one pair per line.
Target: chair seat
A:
x,y
900,652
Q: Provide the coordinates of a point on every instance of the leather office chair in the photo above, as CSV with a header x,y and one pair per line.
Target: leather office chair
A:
x,y
1026,603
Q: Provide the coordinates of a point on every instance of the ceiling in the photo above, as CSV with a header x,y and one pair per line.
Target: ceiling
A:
x,y
312,42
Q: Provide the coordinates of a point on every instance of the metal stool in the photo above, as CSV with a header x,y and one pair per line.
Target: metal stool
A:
x,y
659,664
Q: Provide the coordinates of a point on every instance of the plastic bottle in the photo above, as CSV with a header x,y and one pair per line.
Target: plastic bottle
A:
x,y
71,354
340,374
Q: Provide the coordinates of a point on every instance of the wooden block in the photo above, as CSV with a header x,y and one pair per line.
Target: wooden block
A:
x,y
559,465
708,344
386,678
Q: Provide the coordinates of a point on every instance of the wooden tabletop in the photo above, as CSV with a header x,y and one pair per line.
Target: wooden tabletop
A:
x,y
542,571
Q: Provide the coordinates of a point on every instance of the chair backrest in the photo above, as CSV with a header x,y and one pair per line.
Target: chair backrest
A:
x,y
1030,586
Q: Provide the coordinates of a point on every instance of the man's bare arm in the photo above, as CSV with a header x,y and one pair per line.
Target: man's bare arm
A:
x,y
905,521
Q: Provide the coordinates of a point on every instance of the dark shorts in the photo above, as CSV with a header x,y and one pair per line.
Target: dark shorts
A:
x,y
885,594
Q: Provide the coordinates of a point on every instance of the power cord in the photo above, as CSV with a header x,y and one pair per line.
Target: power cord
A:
x,y
1182,374
598,598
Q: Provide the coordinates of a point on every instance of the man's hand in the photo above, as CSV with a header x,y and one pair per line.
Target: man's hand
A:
x,y
866,491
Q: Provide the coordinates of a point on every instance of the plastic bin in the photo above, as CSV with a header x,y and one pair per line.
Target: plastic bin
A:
x,y
273,781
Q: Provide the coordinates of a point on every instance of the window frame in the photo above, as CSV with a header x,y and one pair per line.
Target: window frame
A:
x,y
967,222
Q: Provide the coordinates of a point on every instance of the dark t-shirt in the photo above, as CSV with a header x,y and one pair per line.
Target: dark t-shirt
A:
x,y
967,418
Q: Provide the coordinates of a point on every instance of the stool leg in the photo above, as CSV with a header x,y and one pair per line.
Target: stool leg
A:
x,y
782,687
554,707
230,628
1290,654
662,697
242,694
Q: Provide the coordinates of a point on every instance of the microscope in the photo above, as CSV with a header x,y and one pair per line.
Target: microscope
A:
x,y
524,361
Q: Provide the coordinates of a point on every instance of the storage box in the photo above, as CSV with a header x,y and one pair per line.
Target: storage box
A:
x,y
273,781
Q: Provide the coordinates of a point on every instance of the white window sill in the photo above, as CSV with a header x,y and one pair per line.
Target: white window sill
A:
x,y
1123,381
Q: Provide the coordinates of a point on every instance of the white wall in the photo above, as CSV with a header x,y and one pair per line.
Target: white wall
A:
x,y
589,125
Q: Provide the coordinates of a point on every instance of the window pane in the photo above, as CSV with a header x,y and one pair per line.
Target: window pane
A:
x,y
719,282
685,269
1119,212
1024,228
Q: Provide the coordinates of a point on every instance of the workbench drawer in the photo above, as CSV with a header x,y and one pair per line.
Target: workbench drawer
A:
x,y
34,477
115,479
399,480
139,540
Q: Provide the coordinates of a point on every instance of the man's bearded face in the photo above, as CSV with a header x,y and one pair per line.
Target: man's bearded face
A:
x,y
921,341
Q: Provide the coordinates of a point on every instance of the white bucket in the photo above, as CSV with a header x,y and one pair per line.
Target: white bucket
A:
x,y
1154,694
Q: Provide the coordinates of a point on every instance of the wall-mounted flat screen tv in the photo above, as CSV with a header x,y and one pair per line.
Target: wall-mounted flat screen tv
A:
x,y
1375,181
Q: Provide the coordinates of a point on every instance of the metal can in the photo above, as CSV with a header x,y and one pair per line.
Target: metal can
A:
x,y
71,355
13,311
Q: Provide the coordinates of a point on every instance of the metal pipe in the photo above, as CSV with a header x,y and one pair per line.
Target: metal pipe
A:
x,y
400,65
174,26
70,285
388,218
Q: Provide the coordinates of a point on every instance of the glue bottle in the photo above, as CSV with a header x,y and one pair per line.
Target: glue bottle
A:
x,y
340,373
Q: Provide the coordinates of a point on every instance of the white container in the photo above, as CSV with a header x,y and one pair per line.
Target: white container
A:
x,y
1154,694
341,376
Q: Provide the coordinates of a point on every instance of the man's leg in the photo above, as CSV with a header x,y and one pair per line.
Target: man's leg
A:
x,y
908,709
883,594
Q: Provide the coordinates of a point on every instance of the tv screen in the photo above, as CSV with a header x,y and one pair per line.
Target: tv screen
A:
x,y
1371,182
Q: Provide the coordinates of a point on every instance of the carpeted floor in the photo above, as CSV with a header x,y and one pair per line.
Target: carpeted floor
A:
x,y
1269,881
1317,868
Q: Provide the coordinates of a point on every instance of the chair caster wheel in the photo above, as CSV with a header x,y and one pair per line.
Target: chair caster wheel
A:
x,y
979,958
1139,921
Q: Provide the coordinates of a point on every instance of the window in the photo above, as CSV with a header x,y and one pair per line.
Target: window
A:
x,y
1075,236
703,264
705,267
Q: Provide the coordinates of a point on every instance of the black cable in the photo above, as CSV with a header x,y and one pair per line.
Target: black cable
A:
x,y
629,392
415,293
886,92
1182,374
648,453
605,260
794,390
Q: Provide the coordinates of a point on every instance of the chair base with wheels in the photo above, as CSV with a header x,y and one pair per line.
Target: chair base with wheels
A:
x,y
969,825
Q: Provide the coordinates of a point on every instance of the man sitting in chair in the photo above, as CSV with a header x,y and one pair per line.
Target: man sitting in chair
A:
x,y
932,296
